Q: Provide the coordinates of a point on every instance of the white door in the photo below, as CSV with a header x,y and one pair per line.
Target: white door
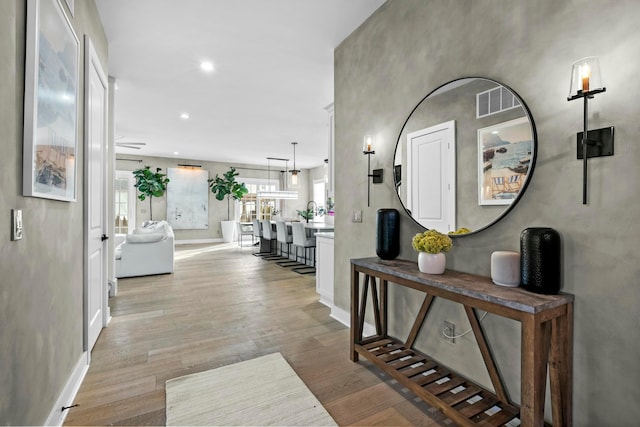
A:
x,y
431,187
96,286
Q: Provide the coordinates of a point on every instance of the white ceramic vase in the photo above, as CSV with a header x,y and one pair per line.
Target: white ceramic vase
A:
x,y
431,263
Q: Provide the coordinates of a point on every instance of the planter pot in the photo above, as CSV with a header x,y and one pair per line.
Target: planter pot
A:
x,y
431,263
228,230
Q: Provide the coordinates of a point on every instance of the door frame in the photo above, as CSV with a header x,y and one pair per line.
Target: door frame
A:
x,y
92,60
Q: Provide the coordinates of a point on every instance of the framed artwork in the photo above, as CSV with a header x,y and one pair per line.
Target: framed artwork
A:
x,y
50,142
504,156
188,199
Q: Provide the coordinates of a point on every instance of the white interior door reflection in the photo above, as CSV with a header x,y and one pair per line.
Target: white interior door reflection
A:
x,y
431,172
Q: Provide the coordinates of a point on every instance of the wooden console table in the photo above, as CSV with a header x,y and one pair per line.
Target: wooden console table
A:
x,y
547,341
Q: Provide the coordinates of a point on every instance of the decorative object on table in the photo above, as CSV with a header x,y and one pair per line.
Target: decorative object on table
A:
x,y
505,268
227,186
388,241
540,260
150,184
50,146
586,82
431,246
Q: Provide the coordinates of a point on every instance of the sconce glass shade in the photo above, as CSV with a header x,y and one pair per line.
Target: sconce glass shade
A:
x,y
367,146
585,77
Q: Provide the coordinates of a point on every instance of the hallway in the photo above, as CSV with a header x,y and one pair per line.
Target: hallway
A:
x,y
223,305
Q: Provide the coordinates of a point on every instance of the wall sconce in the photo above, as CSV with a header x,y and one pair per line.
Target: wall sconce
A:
x,y
586,82
376,174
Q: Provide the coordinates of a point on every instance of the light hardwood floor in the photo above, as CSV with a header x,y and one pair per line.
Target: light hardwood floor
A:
x,y
223,305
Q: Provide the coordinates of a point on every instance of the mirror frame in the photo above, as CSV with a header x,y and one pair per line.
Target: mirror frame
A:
x,y
532,164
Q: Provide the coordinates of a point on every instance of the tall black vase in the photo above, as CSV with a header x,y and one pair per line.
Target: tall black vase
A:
x,y
540,260
388,243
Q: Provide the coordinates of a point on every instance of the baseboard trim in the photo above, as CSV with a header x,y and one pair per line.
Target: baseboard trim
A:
x,y
57,415
344,317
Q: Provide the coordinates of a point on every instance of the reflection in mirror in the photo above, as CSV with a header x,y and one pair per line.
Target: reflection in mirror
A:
x,y
464,156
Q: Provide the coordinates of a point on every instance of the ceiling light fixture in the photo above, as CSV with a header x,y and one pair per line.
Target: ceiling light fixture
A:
x,y
184,116
207,66
276,194
294,171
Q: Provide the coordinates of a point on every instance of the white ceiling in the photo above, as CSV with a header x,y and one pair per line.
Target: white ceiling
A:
x,y
273,75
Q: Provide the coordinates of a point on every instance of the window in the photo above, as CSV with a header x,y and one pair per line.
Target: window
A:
x,y
494,101
124,200
252,207
319,193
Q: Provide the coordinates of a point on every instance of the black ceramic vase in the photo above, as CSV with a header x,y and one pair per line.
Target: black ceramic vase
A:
x,y
388,243
540,260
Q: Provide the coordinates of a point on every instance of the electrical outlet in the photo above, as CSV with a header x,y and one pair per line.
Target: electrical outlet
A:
x,y
357,216
450,330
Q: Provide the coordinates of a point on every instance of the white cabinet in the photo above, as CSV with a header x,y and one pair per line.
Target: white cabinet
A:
x,y
324,268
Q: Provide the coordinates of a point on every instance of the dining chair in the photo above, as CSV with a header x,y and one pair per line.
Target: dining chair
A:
x,y
245,229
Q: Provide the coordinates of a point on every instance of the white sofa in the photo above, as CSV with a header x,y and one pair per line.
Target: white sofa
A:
x,y
148,250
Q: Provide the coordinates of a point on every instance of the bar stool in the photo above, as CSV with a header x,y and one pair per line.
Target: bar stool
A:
x,y
300,239
270,235
257,232
284,238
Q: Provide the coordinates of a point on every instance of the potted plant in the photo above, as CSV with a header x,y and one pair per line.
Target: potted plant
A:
x,y
227,186
431,246
150,184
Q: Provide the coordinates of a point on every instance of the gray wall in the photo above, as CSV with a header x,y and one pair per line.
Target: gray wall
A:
x,y
41,289
409,47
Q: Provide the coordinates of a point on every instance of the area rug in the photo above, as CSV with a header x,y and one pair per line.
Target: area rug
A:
x,y
259,392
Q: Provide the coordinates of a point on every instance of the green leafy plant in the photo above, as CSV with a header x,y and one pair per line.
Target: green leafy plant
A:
x,y
227,186
150,184
461,230
432,242
305,214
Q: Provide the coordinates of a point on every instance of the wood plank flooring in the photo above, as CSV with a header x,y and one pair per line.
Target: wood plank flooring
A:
x,y
223,305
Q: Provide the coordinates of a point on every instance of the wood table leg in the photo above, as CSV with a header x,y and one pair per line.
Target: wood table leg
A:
x,y
535,353
384,286
355,295
561,369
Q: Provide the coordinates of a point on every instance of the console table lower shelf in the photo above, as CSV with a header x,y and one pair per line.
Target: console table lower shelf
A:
x,y
437,384
547,335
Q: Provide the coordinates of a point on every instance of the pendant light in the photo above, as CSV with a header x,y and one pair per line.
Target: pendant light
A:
x,y
294,171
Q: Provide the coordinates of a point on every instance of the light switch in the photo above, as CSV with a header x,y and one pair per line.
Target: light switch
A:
x,y
357,216
16,224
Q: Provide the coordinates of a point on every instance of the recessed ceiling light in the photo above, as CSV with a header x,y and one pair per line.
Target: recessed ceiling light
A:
x,y
175,153
207,66
184,116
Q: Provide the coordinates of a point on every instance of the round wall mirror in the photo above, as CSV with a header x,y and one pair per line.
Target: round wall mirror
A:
x,y
465,155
